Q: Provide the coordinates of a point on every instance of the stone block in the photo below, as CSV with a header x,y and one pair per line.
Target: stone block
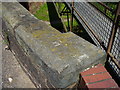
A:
x,y
61,56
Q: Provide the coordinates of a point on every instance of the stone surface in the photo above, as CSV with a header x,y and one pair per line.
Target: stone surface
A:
x,y
13,75
61,56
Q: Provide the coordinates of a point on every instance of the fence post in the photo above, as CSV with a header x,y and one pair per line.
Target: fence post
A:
x,y
114,29
71,19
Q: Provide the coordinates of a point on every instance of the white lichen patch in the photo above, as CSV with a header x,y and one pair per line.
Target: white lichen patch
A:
x,y
22,15
56,44
86,69
6,47
63,68
93,66
84,56
60,41
10,80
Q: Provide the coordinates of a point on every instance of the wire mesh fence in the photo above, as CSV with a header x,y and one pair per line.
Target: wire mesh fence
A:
x,y
115,51
93,20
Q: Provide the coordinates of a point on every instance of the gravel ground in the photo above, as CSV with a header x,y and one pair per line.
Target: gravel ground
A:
x,y
12,74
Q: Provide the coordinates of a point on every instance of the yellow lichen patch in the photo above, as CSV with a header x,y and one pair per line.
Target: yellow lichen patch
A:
x,y
39,33
63,40
65,35
68,35
53,49
66,44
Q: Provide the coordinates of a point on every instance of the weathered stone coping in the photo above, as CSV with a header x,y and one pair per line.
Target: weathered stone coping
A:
x,y
62,56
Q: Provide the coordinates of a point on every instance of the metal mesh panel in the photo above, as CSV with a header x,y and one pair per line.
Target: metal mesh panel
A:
x,y
86,28
99,23
102,26
116,52
116,46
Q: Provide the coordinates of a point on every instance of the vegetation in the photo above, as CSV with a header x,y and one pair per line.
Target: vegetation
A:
x,y
42,13
109,13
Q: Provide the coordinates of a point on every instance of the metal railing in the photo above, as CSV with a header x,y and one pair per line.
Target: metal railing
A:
x,y
105,31
109,12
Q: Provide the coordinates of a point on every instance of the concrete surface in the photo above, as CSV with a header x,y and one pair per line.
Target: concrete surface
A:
x,y
61,56
13,75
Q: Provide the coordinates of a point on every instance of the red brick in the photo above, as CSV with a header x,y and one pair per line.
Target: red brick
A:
x,y
97,77
104,84
99,65
94,70
118,88
90,71
100,80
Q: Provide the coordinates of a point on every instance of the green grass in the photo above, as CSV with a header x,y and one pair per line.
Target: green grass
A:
x,y
42,13
74,23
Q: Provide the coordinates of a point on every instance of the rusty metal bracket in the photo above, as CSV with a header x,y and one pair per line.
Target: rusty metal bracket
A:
x,y
112,37
71,18
114,28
